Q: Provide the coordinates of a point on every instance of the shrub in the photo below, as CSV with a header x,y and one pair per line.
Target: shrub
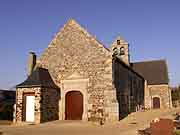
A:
x,y
7,112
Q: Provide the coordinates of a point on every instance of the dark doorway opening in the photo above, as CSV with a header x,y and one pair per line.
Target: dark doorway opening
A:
x,y
156,102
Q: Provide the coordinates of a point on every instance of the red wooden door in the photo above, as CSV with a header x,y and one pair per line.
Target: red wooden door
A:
x,y
156,102
74,105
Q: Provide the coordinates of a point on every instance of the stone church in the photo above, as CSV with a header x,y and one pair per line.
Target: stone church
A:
x,y
78,78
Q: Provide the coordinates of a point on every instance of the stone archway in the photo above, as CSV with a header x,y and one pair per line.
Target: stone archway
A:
x,y
73,105
69,85
156,102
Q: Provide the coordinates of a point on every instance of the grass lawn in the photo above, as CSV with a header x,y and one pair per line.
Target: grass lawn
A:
x,y
177,132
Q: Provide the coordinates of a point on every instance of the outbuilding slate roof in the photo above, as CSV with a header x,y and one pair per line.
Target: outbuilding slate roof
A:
x,y
40,77
155,72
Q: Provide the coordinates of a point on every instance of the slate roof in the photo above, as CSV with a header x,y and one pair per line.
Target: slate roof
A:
x,y
127,66
155,72
39,78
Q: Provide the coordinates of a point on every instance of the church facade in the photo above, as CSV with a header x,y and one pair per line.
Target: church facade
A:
x,y
77,78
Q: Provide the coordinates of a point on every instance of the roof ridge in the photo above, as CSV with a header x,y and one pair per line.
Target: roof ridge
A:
x,y
150,61
154,71
80,27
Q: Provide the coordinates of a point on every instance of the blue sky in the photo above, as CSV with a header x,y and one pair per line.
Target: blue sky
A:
x,y
152,28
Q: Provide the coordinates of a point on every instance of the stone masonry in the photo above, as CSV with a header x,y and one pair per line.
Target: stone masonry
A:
x,y
73,50
46,104
20,104
77,61
161,91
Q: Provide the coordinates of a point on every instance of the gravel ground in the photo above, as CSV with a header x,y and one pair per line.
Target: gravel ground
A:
x,y
127,126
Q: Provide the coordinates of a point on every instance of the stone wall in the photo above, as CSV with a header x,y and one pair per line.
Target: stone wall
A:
x,y
19,103
161,91
136,92
46,104
73,50
49,104
147,97
129,86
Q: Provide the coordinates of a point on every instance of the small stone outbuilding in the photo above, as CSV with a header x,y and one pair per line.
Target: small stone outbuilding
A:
x,y
157,90
40,94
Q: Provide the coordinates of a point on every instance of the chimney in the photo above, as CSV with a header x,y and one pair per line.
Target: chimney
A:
x,y
31,62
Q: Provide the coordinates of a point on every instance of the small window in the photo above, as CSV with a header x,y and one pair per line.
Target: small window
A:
x,y
118,42
122,51
115,51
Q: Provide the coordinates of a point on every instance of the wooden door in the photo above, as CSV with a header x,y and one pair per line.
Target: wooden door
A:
x,y
74,105
156,102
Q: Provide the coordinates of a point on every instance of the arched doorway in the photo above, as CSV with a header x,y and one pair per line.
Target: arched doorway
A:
x,y
74,105
156,102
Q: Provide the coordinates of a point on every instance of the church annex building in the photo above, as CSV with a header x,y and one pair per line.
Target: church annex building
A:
x,y
77,78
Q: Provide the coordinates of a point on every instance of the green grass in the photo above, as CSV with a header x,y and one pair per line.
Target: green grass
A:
x,y
177,132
